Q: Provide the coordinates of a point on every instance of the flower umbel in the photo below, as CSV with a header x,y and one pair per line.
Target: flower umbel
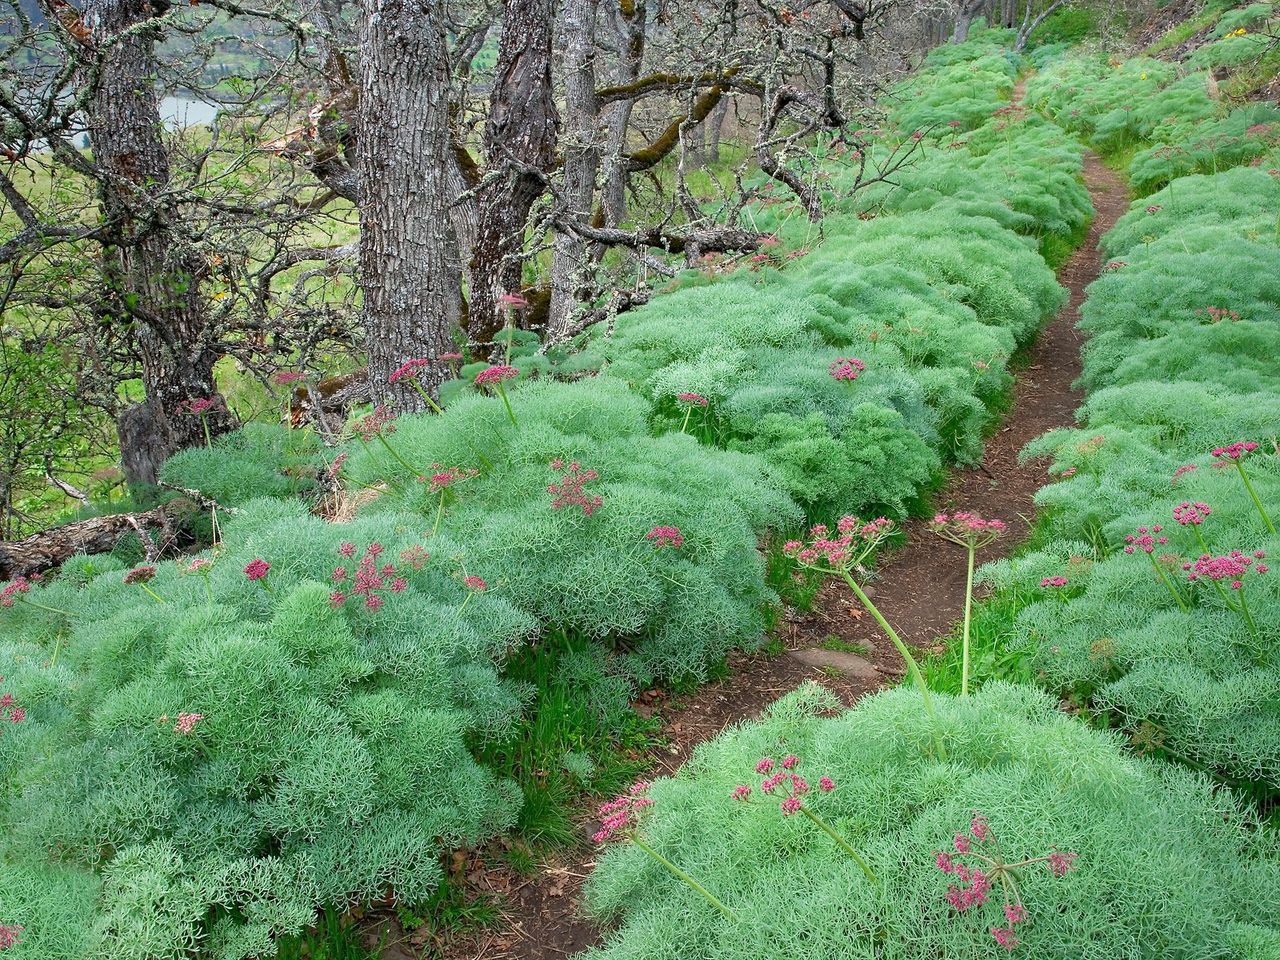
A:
x,y
973,533
841,556
788,789
846,369
571,491
621,817
495,376
665,536
976,881
1148,538
371,580
1233,456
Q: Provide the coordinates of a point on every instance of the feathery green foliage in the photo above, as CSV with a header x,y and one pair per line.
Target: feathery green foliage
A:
x,y
330,761
1184,329
675,611
1041,778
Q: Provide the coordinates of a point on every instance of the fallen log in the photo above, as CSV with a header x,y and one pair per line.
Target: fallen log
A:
x,y
49,548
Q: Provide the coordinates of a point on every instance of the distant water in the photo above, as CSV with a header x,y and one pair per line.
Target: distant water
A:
x,y
178,112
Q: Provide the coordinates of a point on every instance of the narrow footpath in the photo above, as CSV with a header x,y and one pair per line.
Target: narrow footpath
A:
x,y
922,595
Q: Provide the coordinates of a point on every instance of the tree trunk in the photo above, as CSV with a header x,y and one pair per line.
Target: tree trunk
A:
x,y
968,12
581,160
409,266
715,125
153,270
521,131
631,34
50,548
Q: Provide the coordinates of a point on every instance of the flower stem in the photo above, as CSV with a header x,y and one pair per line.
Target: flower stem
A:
x,y
439,514
685,878
684,427
913,668
1182,604
208,441
1271,527
154,596
968,608
506,403
1248,621
44,606
826,828
425,396
402,461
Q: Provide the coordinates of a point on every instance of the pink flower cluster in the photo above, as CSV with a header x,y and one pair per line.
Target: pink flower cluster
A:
x,y
846,368
1058,581
143,574
10,935
283,378
408,370
444,477
840,551
496,374
415,557
967,529
369,580
1153,208
622,814
257,569
335,468
1185,468
14,590
665,536
696,399
1145,540
1234,451
1191,512
975,883
200,406
1218,314
513,301
781,780
9,710
1232,566
186,722
475,583
570,491
380,421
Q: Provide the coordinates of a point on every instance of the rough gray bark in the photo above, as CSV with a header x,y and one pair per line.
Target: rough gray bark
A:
x,y
630,21
715,124
153,271
968,12
409,266
581,148
520,145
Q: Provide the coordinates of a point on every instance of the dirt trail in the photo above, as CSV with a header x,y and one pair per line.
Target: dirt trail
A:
x,y
922,595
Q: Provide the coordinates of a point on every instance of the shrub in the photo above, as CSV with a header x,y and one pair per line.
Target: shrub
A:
x,y
259,460
1041,779
675,610
1230,51
1245,18
1183,328
327,759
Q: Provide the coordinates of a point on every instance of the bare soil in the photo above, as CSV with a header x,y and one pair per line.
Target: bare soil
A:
x,y
837,644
